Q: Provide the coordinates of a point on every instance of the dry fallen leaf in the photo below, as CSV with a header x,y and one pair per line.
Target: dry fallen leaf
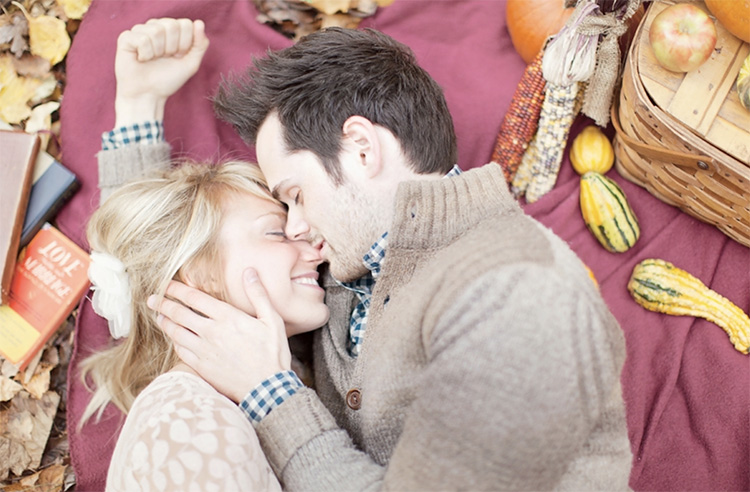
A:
x,y
32,66
52,478
41,118
39,383
44,90
8,369
14,32
27,482
30,370
8,388
24,428
51,353
48,36
49,479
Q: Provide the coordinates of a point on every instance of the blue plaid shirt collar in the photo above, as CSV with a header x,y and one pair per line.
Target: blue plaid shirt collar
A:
x,y
373,261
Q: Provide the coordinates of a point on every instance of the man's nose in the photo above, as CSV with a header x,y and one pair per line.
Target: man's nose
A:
x,y
297,227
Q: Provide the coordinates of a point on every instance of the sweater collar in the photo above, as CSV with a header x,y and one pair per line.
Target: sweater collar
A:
x,y
432,213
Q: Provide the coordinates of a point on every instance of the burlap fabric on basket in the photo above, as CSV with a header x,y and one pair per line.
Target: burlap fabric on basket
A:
x,y
685,138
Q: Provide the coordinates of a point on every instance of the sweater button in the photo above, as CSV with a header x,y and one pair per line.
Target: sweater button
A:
x,y
354,399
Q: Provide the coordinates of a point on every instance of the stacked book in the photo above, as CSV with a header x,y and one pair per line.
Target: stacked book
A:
x,y
44,274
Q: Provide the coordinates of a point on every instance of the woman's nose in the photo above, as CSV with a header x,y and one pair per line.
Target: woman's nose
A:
x,y
308,252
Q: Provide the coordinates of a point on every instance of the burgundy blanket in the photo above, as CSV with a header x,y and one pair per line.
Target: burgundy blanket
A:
x,y
686,388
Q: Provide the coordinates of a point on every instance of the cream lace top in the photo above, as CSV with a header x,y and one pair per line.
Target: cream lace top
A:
x,y
181,434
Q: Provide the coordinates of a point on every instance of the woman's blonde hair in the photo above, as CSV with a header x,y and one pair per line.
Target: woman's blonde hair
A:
x,y
162,227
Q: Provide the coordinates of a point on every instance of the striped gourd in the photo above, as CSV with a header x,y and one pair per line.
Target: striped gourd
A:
x,y
607,213
659,286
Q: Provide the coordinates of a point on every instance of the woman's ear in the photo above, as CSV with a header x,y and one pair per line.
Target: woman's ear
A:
x,y
361,143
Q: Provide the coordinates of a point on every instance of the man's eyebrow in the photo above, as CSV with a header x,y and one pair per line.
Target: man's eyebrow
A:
x,y
275,191
280,215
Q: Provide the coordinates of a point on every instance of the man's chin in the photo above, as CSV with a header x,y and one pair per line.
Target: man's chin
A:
x,y
345,271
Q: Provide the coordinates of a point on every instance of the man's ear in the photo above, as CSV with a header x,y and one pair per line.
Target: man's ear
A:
x,y
362,144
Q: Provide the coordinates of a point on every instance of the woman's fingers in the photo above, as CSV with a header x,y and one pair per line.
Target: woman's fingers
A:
x,y
170,29
185,36
165,37
150,41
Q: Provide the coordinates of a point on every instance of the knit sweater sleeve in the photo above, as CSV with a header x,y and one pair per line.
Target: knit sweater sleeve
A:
x,y
520,425
524,370
118,166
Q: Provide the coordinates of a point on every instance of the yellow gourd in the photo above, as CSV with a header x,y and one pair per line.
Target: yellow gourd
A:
x,y
659,286
607,213
592,151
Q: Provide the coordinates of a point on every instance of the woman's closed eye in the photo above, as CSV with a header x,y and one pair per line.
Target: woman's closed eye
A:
x,y
280,234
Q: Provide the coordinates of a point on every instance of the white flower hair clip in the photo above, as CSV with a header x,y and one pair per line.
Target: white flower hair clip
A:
x,y
111,286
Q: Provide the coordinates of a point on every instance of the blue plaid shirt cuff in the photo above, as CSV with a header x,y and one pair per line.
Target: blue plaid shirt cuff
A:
x,y
147,132
270,394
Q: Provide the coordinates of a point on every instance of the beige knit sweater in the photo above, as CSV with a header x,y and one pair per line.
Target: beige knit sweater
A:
x,y
494,365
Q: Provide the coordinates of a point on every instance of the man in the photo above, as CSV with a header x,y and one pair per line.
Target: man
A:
x,y
467,347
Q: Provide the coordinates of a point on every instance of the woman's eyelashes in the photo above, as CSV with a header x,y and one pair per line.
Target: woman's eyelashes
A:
x,y
280,234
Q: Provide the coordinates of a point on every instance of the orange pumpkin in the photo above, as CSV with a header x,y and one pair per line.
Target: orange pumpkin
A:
x,y
531,22
734,15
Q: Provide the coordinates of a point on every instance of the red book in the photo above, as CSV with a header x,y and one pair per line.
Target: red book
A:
x,y
49,280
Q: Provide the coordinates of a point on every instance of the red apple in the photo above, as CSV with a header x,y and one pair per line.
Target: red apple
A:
x,y
682,37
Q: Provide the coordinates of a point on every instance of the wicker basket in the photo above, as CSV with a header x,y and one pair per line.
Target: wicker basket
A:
x,y
686,138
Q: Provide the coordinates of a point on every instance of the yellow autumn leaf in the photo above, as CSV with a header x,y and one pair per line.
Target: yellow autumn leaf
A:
x,y
339,20
7,71
40,122
48,36
331,6
45,89
74,9
14,99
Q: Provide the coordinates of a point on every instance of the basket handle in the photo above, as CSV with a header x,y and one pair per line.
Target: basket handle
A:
x,y
682,159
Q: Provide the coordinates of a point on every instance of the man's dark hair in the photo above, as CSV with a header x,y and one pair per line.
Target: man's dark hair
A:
x,y
330,75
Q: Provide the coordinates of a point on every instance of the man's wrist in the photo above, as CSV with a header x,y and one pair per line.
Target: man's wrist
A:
x,y
269,394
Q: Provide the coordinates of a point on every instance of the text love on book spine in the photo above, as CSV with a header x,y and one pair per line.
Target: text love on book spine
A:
x,y
48,282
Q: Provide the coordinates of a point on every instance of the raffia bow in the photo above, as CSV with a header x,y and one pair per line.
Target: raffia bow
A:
x,y
600,88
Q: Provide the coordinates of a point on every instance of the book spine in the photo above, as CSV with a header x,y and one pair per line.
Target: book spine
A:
x,y
50,213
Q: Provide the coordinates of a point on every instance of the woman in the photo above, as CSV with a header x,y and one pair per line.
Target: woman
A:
x,y
203,225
